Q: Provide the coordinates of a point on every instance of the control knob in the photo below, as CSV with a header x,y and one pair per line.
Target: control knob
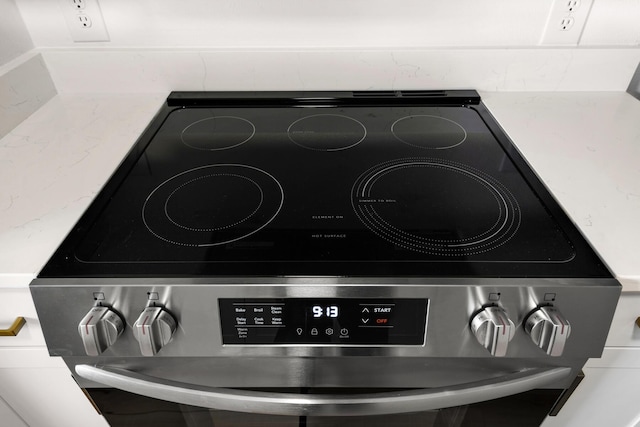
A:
x,y
493,329
99,329
548,329
154,329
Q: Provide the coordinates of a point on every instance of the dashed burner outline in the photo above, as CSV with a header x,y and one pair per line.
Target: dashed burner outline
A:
x,y
158,222
496,234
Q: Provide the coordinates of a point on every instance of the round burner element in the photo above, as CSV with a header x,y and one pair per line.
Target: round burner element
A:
x,y
436,207
218,133
212,205
430,132
327,132
231,200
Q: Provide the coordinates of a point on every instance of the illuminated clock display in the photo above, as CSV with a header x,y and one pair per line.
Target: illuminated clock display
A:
x,y
325,311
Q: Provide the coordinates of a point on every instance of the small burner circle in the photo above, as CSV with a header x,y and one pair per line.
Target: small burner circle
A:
x,y
429,132
327,132
218,133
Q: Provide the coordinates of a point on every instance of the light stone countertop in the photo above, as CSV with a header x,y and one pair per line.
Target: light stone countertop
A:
x,y
584,145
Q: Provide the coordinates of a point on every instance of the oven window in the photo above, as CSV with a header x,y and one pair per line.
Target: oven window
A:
x,y
123,409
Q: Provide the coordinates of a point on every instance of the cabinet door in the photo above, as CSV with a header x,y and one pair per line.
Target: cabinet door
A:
x,y
17,302
42,392
606,397
8,417
624,332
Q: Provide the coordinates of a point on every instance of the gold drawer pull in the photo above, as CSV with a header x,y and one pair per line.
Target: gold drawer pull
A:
x,y
13,329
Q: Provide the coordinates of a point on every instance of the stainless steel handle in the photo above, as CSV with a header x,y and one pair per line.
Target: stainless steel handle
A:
x,y
322,405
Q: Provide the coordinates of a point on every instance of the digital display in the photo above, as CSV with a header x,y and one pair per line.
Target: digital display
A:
x,y
330,321
328,311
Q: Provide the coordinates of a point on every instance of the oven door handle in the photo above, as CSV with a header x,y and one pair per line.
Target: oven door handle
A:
x,y
250,401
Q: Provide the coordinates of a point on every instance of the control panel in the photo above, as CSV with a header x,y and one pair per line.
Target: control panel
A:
x,y
323,321
262,322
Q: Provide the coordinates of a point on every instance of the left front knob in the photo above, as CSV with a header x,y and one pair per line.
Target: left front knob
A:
x,y
99,329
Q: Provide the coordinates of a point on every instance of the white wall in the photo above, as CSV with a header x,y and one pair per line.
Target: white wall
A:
x,y
25,83
14,38
302,23
331,23
491,45
613,22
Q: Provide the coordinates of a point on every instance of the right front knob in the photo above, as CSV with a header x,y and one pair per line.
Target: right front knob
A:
x,y
548,329
154,329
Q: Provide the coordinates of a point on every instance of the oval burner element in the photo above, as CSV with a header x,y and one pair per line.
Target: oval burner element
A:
x,y
436,207
430,132
212,205
327,132
218,133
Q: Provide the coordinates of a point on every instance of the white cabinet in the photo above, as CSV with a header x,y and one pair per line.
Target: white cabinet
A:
x,y
8,416
608,395
36,390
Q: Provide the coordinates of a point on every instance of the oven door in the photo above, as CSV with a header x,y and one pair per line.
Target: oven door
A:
x,y
134,399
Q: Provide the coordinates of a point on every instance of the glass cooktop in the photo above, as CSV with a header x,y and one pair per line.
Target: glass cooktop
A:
x,y
323,187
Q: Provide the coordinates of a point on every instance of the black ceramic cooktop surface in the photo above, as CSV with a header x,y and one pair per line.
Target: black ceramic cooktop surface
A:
x,y
349,189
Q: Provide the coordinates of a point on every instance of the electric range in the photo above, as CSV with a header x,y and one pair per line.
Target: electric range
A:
x,y
325,239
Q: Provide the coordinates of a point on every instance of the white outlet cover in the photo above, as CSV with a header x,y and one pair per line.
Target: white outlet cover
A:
x,y
96,32
556,32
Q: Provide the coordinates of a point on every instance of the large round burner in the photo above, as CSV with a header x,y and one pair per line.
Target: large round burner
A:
x,y
212,205
430,132
435,206
327,132
218,133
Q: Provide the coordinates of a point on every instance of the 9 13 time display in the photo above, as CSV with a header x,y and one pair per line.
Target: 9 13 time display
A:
x,y
331,311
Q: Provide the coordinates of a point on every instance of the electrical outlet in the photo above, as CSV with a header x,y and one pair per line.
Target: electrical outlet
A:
x,y
84,20
566,21
570,5
78,4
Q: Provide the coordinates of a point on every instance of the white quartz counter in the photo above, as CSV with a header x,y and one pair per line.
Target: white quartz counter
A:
x,y
585,146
